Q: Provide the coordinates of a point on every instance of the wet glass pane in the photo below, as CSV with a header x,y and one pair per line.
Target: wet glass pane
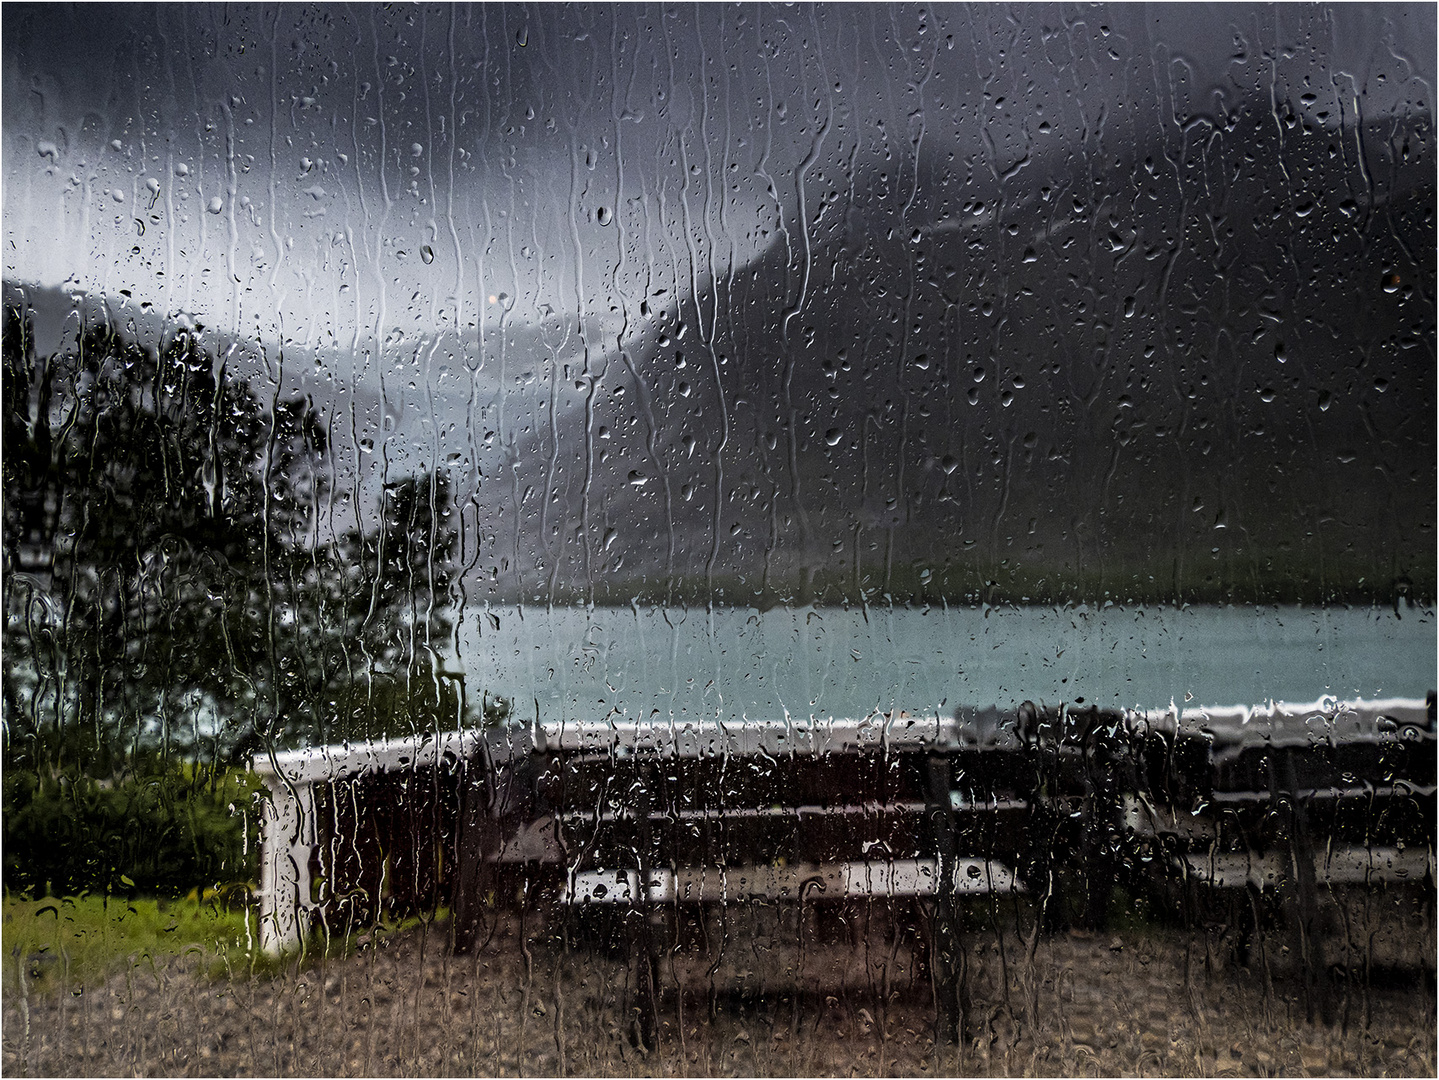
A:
x,y
719,540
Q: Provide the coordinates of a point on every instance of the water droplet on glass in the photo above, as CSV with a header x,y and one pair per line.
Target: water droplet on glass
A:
x,y
602,215
833,436
427,254
215,205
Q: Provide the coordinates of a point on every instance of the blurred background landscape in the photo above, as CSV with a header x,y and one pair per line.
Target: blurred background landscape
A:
x,y
387,371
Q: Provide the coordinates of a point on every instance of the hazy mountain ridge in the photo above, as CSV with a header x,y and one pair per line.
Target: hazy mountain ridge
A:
x,y
1046,388
1207,396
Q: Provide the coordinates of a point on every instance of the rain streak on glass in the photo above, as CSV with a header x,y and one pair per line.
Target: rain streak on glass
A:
x,y
720,540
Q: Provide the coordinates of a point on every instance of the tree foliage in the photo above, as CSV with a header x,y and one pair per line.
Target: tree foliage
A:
x,y
169,580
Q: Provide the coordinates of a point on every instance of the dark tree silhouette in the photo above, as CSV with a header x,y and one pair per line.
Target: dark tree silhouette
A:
x,y
167,583
401,613
391,590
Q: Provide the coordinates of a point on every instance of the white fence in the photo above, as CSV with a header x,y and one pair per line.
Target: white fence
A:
x,y
290,833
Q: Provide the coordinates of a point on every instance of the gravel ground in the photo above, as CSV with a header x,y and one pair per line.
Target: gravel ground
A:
x,y
851,1001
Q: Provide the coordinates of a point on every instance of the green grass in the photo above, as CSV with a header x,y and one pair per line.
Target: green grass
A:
x,y
79,941
71,942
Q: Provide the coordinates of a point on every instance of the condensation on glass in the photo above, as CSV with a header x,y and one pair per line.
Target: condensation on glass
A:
x,y
720,540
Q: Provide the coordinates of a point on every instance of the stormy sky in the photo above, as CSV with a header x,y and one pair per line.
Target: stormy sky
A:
x,y
779,300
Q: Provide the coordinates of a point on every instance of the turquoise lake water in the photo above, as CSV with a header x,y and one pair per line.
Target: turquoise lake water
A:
x,y
732,664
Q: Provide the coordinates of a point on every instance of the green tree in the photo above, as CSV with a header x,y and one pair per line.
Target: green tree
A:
x,y
148,493
168,583
400,610
392,590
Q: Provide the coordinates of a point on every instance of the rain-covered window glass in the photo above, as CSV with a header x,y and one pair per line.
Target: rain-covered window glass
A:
x,y
719,540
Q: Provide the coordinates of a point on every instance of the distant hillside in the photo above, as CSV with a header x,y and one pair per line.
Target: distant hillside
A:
x,y
1156,374
1160,379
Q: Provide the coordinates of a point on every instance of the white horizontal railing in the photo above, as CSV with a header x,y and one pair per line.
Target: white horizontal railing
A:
x,y
1335,866
797,882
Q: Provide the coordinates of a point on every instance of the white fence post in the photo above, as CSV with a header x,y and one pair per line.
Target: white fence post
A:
x,y
287,831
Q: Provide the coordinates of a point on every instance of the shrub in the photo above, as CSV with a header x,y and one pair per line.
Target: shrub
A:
x,y
161,827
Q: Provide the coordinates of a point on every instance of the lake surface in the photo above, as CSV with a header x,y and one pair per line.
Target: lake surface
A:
x,y
731,664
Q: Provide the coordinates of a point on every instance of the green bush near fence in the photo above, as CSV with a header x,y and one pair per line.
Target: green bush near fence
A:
x,y
157,826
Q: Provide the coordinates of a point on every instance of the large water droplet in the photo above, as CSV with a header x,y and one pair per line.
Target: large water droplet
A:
x,y
602,215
